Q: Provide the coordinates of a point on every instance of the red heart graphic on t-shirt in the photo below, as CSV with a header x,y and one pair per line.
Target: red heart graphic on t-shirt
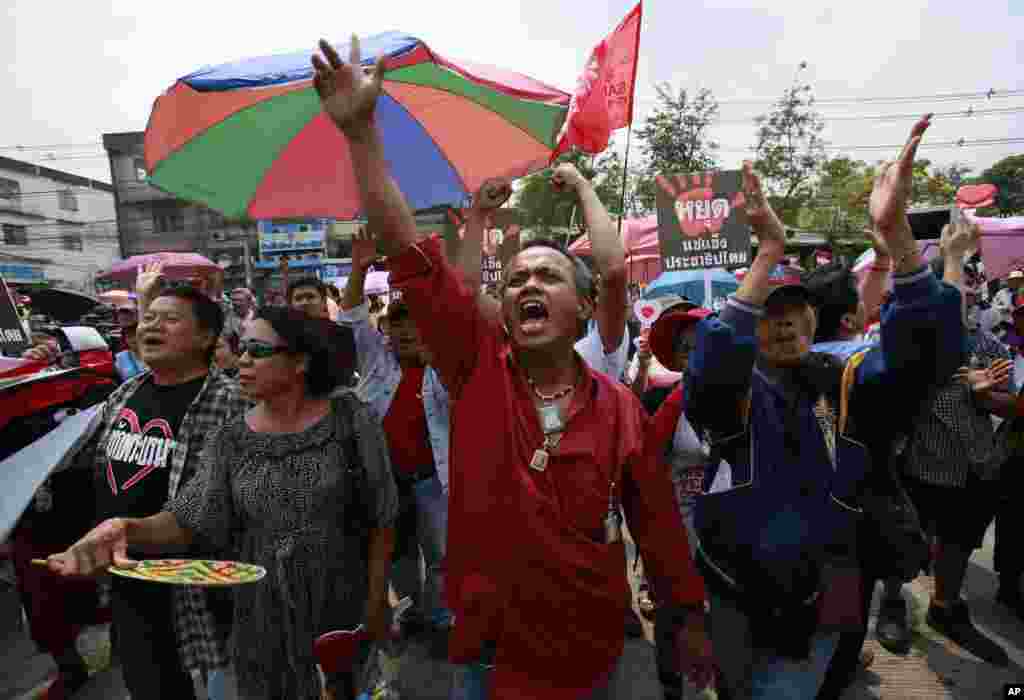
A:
x,y
647,311
129,416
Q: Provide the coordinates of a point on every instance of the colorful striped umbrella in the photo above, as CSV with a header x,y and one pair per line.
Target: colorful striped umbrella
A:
x,y
250,138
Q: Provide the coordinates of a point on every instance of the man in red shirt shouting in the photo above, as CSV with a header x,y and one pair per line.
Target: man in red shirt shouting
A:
x,y
544,451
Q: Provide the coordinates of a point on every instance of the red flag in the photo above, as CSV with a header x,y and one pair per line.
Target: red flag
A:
x,y
603,100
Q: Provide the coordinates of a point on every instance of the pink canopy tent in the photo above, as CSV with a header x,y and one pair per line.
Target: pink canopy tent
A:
x,y
640,238
1002,245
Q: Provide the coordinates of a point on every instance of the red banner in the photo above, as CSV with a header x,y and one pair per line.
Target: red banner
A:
x,y
603,101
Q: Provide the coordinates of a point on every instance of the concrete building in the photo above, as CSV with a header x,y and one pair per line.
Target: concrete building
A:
x,y
57,228
150,220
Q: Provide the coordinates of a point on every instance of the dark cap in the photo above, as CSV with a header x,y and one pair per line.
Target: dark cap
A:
x,y
785,294
666,329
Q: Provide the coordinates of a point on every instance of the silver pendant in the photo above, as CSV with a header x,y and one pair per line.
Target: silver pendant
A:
x,y
540,461
551,419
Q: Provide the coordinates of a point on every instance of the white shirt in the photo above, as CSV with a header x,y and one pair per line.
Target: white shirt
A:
x,y
591,349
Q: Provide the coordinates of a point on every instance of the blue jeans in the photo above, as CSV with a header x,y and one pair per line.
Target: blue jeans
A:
x,y
757,674
428,532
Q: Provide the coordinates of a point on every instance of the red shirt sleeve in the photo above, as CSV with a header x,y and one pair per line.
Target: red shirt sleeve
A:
x,y
656,524
445,311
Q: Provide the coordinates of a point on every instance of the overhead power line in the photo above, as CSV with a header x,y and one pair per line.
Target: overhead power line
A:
x,y
989,94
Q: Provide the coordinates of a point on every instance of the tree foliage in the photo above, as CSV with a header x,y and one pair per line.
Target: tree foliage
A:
x,y
790,151
675,139
543,209
1008,176
839,205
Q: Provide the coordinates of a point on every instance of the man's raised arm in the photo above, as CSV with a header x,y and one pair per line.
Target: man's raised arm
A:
x,y
443,307
349,96
721,365
609,256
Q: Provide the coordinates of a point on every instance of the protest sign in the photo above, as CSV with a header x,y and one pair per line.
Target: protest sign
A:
x,y
702,222
13,339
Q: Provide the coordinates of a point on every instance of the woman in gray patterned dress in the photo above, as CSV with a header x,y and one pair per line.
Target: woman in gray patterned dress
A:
x,y
272,492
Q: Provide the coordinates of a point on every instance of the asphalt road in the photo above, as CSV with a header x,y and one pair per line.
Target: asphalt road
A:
x,y
933,669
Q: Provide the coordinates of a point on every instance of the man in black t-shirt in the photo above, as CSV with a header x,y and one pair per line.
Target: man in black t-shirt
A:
x,y
142,439
148,446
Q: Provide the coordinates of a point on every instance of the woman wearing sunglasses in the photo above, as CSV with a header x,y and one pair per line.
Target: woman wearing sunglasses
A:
x,y
301,485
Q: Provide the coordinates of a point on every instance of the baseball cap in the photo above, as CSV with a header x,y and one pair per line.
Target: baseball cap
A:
x,y
670,323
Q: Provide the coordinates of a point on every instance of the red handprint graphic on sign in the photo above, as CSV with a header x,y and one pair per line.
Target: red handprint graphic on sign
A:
x,y
698,210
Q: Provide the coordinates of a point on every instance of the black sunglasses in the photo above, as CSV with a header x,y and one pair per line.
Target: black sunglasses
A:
x,y
258,350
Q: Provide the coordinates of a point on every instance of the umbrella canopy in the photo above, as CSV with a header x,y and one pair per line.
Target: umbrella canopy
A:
x,y
781,274
709,288
63,305
250,137
176,266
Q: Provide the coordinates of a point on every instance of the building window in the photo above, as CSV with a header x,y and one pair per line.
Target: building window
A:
x,y
9,189
67,200
15,235
72,241
140,169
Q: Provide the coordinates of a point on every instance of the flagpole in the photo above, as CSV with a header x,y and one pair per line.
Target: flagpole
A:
x,y
625,177
622,199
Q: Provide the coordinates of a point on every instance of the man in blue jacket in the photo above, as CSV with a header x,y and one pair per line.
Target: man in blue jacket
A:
x,y
777,523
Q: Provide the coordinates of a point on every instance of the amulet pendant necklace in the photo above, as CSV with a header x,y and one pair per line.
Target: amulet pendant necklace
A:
x,y
550,422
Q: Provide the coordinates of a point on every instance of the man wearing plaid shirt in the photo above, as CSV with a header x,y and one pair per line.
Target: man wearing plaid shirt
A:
x,y
147,446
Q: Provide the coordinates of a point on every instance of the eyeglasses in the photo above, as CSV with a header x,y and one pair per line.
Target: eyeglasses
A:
x,y
258,350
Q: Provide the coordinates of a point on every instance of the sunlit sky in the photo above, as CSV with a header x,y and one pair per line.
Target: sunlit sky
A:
x,y
77,70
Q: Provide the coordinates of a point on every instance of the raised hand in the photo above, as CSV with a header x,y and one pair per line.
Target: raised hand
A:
x,y
105,544
888,202
765,223
491,195
983,381
347,91
959,238
566,177
149,279
364,250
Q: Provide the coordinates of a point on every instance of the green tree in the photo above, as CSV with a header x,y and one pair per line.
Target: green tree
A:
x,y
1008,176
608,184
839,206
675,139
542,209
790,151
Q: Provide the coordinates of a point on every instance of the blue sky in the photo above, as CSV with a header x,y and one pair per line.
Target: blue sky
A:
x,y
76,70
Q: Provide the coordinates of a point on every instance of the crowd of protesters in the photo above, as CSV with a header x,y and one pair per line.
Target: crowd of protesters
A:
x,y
502,440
